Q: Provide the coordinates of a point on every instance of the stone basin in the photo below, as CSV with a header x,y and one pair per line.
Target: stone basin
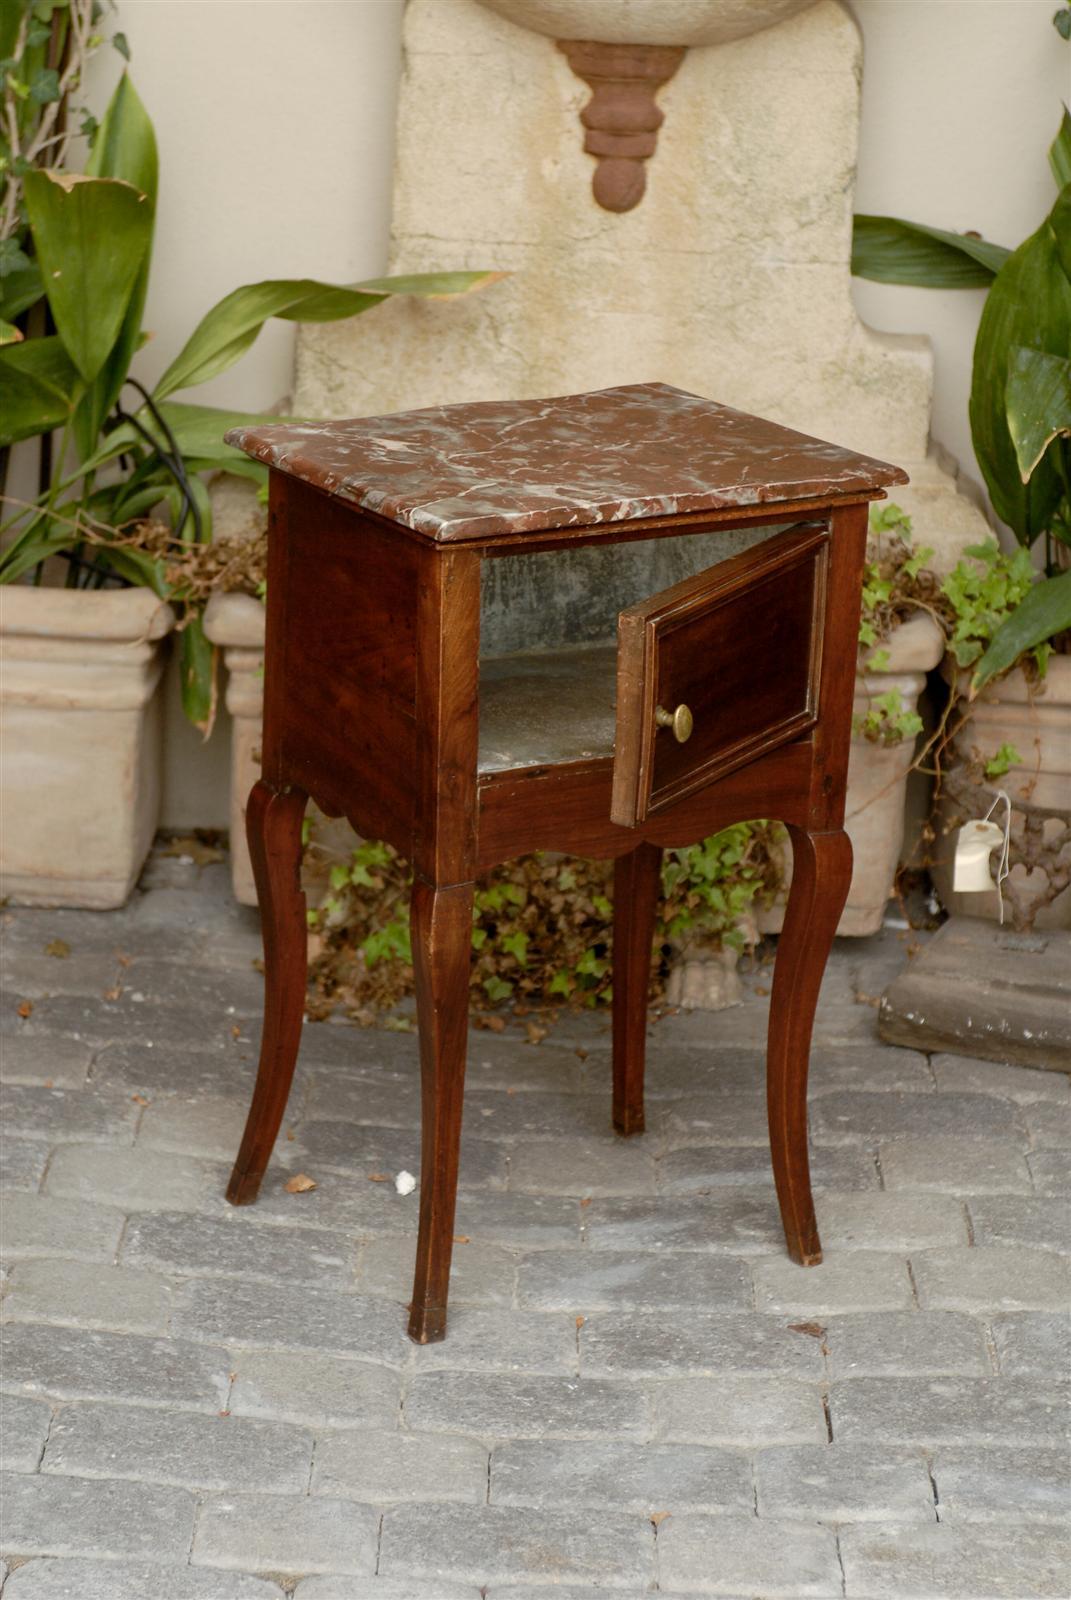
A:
x,y
659,22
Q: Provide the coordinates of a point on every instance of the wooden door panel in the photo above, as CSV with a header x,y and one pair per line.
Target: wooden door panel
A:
x,y
740,646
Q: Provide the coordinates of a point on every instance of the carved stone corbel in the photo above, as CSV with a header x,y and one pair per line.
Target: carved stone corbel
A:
x,y
621,118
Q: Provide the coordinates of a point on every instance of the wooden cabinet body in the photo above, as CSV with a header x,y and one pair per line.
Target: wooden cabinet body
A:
x,y
379,705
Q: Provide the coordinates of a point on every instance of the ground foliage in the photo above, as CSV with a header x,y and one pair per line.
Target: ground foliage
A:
x,y
541,932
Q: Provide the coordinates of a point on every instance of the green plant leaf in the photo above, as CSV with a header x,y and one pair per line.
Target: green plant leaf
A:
x,y
197,430
197,675
1045,612
20,288
1060,151
1029,305
889,250
91,236
38,385
229,329
41,539
1038,398
9,334
124,146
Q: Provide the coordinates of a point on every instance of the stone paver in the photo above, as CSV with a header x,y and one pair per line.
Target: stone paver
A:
x,y
182,1448
695,1171
1003,1485
909,1561
151,1069
1051,1171
992,1278
385,1467
858,1280
135,1180
343,1147
844,1483
749,1411
582,1167
728,1221
480,1274
850,1117
1014,1411
83,1116
493,1543
244,1316
22,1164
643,1478
638,1389
233,1247
101,1517
956,1165
24,1426
1049,1124
75,1364
380,1588
724,1555
53,1063
965,1074
1011,1219
209,1126
1033,1344
505,1341
890,1221
521,1407
651,1343
595,1280
905,1343
51,1579
38,1225
330,1587
77,1294
308,1387
285,1533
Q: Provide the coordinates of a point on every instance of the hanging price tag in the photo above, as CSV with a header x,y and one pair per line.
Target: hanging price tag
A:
x,y
976,842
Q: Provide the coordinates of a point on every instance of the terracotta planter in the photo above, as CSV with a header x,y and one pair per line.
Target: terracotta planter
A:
x,y
80,720
235,622
1037,721
877,782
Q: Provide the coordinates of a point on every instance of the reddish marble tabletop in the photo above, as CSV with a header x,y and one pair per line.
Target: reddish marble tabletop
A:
x,y
467,472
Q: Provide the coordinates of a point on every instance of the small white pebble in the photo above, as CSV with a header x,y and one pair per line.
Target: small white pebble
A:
x,y
405,1183
137,995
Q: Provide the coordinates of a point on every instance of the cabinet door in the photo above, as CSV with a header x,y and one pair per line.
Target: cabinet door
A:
x,y
730,659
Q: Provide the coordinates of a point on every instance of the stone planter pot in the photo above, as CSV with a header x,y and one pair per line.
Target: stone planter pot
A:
x,y
877,783
235,623
80,725
1037,721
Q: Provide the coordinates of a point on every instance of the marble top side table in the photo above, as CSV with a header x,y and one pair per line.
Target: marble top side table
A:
x,y
724,697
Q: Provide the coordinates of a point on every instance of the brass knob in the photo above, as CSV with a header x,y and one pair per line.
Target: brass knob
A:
x,y
680,721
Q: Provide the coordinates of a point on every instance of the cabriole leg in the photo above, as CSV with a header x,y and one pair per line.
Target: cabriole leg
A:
x,y
273,826
821,873
441,922
637,891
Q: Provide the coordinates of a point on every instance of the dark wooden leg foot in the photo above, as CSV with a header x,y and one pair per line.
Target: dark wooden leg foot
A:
x,y
441,921
821,873
273,825
637,891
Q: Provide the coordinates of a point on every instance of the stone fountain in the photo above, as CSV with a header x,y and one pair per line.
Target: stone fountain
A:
x,y
669,184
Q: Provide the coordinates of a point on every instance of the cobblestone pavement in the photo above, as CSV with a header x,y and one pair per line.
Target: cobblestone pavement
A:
x,y
639,1392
